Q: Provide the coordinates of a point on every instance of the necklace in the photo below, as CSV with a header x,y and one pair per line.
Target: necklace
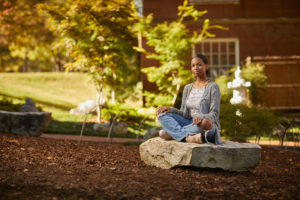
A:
x,y
201,84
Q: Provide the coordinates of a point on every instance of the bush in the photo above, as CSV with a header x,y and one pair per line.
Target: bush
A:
x,y
8,105
127,114
240,121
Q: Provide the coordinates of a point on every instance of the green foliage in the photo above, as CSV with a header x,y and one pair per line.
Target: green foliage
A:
x,y
253,73
25,38
7,104
124,112
226,94
98,36
153,99
251,121
172,43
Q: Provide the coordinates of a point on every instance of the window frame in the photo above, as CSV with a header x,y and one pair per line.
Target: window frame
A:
x,y
210,55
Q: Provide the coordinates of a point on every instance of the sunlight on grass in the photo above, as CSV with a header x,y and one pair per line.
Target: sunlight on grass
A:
x,y
58,93
65,90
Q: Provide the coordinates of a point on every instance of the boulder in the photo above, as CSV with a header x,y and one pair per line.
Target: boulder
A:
x,y
232,156
151,133
24,123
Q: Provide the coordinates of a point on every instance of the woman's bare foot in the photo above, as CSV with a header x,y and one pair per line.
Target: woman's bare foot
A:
x,y
194,139
164,135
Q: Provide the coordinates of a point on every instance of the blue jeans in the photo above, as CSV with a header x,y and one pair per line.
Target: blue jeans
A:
x,y
179,127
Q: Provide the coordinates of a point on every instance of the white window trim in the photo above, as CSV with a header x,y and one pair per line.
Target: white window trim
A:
x,y
219,40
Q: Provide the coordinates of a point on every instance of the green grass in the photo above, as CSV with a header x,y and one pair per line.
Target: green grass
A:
x,y
58,93
59,90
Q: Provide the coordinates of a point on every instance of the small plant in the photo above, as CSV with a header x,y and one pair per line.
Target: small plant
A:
x,y
126,113
7,104
240,121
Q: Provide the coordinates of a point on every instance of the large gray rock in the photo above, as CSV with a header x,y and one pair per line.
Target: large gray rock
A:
x,y
232,156
24,123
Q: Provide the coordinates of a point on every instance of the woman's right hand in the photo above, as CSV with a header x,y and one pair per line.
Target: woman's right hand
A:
x,y
162,109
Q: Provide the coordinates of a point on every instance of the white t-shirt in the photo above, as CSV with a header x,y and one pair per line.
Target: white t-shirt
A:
x,y
193,101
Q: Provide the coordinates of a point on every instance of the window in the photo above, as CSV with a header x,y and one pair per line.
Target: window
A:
x,y
222,54
200,2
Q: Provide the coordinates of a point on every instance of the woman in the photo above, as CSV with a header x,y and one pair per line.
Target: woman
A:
x,y
198,118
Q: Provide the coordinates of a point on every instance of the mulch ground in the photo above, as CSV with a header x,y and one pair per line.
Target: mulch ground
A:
x,y
43,168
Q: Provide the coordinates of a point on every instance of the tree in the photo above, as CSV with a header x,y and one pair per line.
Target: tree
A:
x,y
172,43
24,35
98,36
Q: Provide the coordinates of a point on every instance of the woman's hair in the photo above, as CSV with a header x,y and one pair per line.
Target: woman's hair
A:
x,y
202,57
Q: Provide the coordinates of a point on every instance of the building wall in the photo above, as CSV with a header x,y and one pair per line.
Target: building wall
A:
x,y
263,27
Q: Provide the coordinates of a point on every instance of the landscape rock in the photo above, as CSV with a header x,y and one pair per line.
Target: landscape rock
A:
x,y
151,133
29,106
118,127
24,123
232,156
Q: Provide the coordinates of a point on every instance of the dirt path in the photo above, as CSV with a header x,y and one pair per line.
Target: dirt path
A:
x,y
57,169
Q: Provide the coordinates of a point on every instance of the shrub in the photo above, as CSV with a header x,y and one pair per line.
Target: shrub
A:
x,y
126,113
240,121
7,104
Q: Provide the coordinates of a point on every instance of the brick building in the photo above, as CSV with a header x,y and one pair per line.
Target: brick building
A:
x,y
264,29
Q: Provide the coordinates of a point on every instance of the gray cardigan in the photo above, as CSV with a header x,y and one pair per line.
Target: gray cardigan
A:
x,y
209,105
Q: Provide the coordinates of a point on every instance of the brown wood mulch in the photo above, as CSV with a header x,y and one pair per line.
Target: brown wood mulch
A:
x,y
44,168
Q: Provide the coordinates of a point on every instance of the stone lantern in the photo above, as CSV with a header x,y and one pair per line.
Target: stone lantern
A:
x,y
239,86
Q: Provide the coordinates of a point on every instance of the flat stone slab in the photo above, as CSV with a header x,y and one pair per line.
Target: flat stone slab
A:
x,y
24,123
232,156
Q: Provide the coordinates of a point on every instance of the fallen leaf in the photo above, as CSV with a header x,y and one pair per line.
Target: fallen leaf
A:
x,y
14,141
69,172
51,163
286,170
92,148
49,157
25,170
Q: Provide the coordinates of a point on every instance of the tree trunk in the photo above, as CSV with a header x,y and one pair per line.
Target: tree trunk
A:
x,y
99,102
25,64
176,94
113,100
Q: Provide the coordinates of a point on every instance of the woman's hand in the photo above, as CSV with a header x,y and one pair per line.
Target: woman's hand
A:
x,y
197,121
162,109
203,123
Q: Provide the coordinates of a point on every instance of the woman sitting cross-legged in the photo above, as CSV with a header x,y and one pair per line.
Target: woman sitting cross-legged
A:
x,y
198,118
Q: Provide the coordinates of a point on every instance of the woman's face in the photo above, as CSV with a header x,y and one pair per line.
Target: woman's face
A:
x,y
198,67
